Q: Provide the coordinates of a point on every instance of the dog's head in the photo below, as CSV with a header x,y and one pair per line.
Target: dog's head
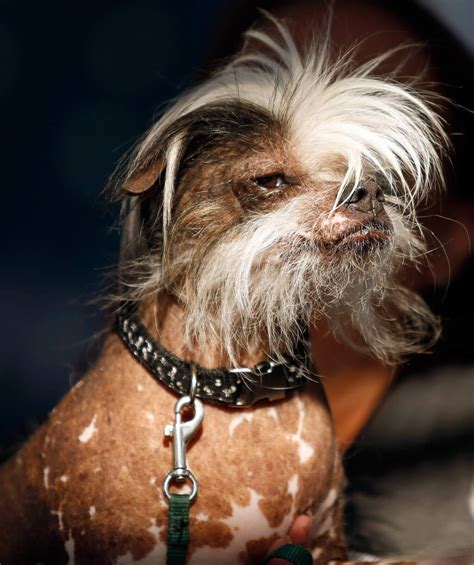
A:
x,y
282,189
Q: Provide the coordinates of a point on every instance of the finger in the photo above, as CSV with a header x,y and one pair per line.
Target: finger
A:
x,y
299,531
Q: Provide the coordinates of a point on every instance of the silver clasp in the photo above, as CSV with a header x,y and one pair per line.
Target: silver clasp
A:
x,y
181,433
268,381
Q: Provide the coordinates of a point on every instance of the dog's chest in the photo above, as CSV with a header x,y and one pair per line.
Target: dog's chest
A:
x,y
269,464
105,457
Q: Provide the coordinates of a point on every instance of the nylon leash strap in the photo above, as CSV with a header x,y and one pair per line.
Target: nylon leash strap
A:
x,y
178,529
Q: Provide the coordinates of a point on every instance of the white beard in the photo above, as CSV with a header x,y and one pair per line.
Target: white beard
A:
x,y
266,283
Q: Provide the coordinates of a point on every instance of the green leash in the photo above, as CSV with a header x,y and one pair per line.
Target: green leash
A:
x,y
178,529
293,553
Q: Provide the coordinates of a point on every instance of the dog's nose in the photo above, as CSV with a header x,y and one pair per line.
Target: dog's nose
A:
x,y
367,197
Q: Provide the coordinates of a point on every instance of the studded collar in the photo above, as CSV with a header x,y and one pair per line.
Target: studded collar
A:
x,y
238,387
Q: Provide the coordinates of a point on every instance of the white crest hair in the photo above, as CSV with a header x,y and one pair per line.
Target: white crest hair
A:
x,y
333,112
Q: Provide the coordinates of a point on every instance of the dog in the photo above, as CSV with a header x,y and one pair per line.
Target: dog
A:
x,y
279,193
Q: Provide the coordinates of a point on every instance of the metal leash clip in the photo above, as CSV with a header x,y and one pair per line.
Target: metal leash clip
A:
x,y
181,433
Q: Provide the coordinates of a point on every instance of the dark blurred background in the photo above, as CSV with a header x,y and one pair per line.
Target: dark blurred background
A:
x,y
79,82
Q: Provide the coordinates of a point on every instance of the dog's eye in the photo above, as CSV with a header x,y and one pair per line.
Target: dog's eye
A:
x,y
272,182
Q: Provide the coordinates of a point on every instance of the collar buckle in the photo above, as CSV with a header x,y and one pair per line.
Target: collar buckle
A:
x,y
268,381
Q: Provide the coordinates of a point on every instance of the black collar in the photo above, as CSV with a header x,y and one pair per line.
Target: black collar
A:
x,y
239,387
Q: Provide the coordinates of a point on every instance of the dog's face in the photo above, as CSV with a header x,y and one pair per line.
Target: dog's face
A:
x,y
285,190
245,167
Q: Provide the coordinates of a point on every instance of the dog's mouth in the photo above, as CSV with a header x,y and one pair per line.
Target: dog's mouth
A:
x,y
362,236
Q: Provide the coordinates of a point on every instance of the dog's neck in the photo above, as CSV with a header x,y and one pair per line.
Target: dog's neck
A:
x,y
164,317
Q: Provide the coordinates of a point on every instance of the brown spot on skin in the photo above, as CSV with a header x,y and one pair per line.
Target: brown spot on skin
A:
x,y
138,543
211,533
256,550
276,514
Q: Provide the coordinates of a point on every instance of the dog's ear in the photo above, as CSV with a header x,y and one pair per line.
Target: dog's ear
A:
x,y
145,178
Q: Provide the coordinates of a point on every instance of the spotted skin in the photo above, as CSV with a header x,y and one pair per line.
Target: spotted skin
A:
x,y
87,487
